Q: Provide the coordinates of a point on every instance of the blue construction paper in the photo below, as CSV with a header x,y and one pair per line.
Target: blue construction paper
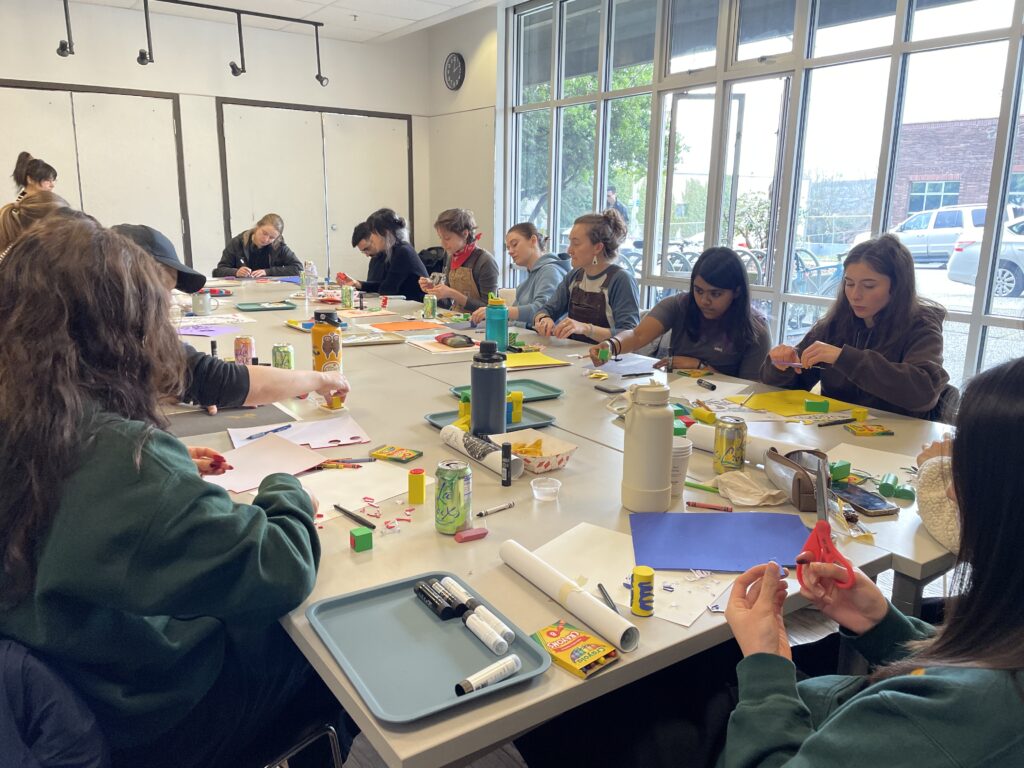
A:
x,y
297,279
722,541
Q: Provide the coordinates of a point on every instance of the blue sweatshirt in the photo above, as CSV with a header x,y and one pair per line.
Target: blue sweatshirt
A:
x,y
541,282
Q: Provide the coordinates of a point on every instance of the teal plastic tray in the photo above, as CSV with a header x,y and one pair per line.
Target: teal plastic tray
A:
x,y
532,390
263,306
532,419
403,660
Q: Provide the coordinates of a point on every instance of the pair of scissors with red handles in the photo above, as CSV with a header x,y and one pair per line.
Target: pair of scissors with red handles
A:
x,y
819,543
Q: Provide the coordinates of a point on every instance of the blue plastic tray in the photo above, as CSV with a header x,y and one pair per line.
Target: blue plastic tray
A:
x,y
403,660
532,419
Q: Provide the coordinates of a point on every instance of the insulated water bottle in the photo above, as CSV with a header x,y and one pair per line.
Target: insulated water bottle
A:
x,y
496,316
647,452
487,385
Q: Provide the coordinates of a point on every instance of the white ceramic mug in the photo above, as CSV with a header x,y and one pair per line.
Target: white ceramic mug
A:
x,y
203,303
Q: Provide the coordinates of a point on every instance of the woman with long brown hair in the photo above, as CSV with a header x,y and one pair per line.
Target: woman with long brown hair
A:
x,y
145,587
259,252
879,345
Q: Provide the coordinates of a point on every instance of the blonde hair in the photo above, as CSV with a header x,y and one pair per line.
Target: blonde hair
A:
x,y
269,220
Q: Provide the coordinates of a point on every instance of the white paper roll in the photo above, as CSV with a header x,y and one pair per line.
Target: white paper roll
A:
x,y
479,450
608,623
703,438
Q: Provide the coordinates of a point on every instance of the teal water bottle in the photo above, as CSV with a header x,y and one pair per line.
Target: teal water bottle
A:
x,y
497,322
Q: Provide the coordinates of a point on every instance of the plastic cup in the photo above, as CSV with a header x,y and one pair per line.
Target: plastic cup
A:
x,y
545,488
681,449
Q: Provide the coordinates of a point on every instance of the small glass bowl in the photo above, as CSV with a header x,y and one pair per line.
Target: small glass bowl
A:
x,y
545,488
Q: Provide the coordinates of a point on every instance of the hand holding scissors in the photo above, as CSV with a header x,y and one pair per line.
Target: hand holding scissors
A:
x,y
819,543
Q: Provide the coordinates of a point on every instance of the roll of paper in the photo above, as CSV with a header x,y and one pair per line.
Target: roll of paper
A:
x,y
703,438
479,450
608,623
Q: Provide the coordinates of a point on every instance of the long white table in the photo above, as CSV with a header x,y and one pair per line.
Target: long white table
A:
x,y
392,388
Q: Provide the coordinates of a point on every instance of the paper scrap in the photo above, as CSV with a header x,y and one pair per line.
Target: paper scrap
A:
x,y
205,330
381,481
627,363
409,325
322,433
263,457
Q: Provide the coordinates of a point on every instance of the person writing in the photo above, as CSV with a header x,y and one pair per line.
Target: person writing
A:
x,y
32,175
598,298
259,252
215,383
389,235
878,346
544,271
470,272
713,326
145,587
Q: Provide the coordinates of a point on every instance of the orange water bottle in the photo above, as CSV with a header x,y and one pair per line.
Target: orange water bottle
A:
x,y
327,345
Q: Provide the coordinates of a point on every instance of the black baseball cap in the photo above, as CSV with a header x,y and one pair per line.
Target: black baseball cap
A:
x,y
160,248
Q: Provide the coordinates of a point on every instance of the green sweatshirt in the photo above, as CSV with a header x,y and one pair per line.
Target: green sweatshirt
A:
x,y
944,716
147,570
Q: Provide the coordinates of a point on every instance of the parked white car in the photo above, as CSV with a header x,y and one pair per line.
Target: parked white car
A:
x,y
1009,275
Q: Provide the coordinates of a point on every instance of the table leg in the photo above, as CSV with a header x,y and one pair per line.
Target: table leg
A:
x,y
906,594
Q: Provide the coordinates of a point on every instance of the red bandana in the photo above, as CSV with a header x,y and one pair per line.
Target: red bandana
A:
x,y
459,257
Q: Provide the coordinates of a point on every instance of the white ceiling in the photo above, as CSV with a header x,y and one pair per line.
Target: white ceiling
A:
x,y
356,21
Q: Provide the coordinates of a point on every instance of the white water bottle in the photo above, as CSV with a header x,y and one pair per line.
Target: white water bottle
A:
x,y
647,453
309,280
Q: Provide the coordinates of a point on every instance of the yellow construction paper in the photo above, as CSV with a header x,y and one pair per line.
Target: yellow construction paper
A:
x,y
532,360
787,402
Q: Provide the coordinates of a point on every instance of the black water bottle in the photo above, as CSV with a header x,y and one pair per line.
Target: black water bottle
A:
x,y
487,382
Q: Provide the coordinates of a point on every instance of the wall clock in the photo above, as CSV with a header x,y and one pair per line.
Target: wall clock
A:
x,y
454,71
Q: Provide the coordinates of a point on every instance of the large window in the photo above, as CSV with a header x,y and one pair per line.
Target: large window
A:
x,y
791,132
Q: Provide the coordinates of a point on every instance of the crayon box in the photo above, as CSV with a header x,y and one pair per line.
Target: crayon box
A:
x,y
580,652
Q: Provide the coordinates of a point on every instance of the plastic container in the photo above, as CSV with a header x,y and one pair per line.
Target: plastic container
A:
x,y
309,281
681,450
545,488
487,381
496,316
647,451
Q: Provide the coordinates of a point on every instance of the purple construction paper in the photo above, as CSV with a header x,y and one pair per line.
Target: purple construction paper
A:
x,y
206,330
722,541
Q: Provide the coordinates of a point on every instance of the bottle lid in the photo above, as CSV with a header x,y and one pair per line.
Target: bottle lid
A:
x,y
650,394
489,354
494,300
328,316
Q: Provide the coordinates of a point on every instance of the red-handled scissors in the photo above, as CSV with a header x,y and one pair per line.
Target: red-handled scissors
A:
x,y
819,543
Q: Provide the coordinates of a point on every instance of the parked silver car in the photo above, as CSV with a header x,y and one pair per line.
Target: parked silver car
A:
x,y
1009,276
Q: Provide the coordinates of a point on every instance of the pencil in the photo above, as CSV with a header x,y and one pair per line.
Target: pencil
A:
x,y
699,487
834,422
353,516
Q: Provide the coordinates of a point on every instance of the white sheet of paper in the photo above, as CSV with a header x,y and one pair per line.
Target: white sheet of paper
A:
x,y
874,461
263,457
323,433
383,481
600,555
629,363
232,319
684,386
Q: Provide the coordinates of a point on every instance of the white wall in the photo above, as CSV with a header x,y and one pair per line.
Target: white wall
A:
x,y
453,132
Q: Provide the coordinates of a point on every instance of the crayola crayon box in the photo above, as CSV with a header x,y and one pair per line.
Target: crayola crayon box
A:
x,y
581,652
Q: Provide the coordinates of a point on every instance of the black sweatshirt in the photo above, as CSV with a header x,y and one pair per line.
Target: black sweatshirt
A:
x,y
404,270
212,381
275,259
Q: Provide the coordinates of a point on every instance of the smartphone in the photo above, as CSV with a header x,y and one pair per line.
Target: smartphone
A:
x,y
610,389
864,502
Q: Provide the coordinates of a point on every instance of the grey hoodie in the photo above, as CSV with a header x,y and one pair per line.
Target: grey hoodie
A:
x,y
540,284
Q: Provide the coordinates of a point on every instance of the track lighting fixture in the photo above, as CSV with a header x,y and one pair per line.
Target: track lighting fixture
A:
x,y
319,75
237,70
66,47
146,54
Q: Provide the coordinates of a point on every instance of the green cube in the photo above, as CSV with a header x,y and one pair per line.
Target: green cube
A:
x,y
839,470
360,539
816,406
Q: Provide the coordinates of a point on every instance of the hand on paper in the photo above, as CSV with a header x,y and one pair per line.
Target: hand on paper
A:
x,y
314,500
679,363
820,352
858,609
333,383
258,273
212,410
478,316
783,356
943,447
567,327
208,461
243,271
755,611
544,326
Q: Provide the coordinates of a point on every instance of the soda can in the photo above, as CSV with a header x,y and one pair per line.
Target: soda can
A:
x,y
245,349
641,589
383,302
429,306
347,296
730,444
283,356
453,500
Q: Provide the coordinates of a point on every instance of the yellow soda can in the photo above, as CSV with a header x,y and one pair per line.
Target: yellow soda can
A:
x,y
641,601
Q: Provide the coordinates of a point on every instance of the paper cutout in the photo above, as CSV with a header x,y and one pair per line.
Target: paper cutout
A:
x,y
381,481
206,330
524,360
724,541
322,433
263,457
788,402
604,556
410,325
628,363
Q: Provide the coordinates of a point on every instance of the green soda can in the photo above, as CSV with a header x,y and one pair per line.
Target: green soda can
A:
x,y
283,356
453,500
429,306
347,296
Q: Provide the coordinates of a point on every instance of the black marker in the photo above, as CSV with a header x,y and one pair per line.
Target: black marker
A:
x,y
506,464
433,601
213,348
706,384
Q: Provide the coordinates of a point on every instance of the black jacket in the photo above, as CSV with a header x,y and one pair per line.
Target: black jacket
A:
x,y
276,259
404,270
